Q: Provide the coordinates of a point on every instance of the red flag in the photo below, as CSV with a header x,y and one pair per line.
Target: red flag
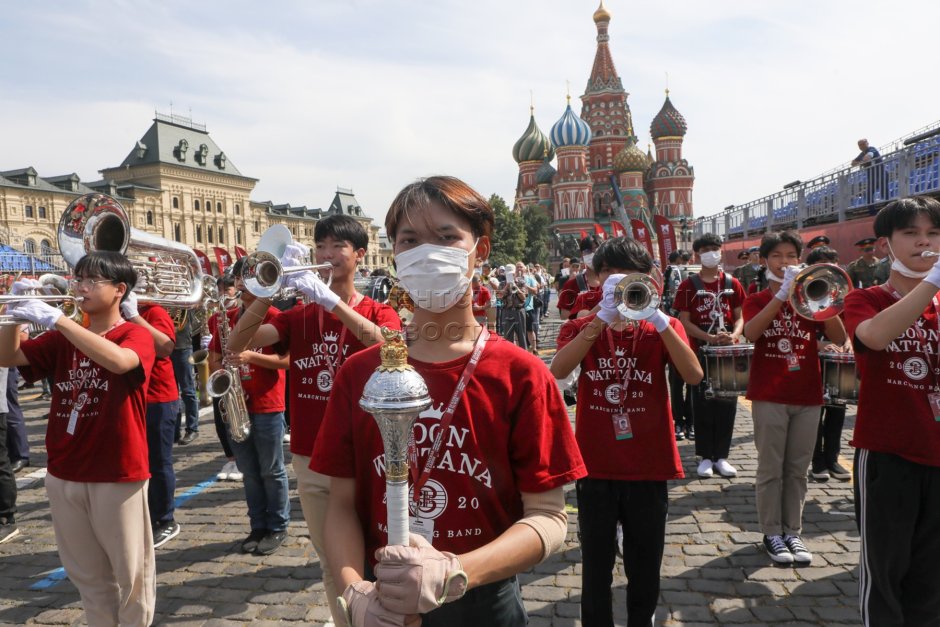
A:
x,y
667,237
204,261
583,233
240,252
222,257
618,228
642,234
599,230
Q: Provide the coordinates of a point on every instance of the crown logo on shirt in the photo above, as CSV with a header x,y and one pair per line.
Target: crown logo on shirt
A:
x,y
330,337
84,362
434,413
620,351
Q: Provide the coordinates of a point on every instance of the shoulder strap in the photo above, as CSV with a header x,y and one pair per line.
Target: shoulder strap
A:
x,y
582,282
729,282
697,282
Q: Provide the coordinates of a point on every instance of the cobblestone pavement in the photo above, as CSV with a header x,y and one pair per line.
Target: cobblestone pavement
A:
x,y
714,570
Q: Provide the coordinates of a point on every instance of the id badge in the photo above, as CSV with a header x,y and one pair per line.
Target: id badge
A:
x,y
622,428
793,362
423,527
934,399
73,420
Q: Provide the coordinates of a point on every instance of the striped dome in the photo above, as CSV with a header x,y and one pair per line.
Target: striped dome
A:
x,y
533,144
631,158
570,130
668,122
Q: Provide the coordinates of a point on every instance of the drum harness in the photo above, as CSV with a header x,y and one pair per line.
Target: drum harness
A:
x,y
717,314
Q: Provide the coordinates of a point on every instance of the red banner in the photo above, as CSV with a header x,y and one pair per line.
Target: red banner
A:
x,y
642,234
583,233
599,231
240,252
204,261
618,229
667,238
223,258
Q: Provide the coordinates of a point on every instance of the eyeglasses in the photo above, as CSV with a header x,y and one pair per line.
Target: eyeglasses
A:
x,y
88,284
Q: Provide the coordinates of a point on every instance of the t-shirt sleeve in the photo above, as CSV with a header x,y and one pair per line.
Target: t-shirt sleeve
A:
x,y
543,451
753,305
567,294
860,305
388,317
160,319
282,324
334,454
141,342
568,332
215,346
680,331
42,353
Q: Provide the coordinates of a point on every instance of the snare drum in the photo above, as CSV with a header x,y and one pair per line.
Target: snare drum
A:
x,y
727,369
840,379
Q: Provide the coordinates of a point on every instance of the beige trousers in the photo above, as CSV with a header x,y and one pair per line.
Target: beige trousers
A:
x,y
314,491
106,546
785,436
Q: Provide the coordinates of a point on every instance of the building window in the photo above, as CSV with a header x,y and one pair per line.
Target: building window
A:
x,y
150,218
42,213
29,246
218,207
209,233
257,226
199,233
45,247
28,211
238,235
196,205
221,235
176,231
238,210
176,202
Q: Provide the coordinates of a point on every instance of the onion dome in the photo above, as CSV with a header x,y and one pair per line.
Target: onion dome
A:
x,y
668,122
533,144
570,130
546,173
602,14
631,158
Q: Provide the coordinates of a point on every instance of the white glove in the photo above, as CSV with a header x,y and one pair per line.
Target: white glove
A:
x,y
205,340
129,306
788,275
933,277
659,320
25,286
609,312
295,254
35,311
310,285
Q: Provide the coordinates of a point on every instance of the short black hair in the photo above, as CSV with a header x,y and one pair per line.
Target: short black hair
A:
x,y
709,239
674,255
622,253
822,254
589,243
227,279
900,214
772,240
236,268
110,265
343,228
685,255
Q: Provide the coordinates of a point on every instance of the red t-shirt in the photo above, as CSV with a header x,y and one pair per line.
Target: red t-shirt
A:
x,y
162,388
510,434
894,415
263,387
771,379
586,301
312,352
480,299
651,454
569,292
700,307
109,443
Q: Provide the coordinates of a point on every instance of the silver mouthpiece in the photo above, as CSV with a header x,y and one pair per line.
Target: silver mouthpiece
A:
x,y
929,253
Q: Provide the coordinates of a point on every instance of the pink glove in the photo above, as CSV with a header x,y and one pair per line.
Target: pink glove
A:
x,y
418,578
361,607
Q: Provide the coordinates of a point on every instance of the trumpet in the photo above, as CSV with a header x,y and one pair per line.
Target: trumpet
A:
x,y
53,289
818,291
637,296
264,274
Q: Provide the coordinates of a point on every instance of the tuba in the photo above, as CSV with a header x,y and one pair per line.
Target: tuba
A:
x,y
226,385
818,291
262,271
637,296
168,273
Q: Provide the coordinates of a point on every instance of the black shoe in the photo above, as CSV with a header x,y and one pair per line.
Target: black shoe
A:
x,y
690,433
819,472
165,532
8,530
777,550
680,434
270,543
250,543
19,465
188,437
839,472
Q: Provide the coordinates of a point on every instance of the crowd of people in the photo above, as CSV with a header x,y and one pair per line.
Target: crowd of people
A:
x,y
493,453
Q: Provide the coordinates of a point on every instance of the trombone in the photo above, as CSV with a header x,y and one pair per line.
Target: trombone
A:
x,y
818,291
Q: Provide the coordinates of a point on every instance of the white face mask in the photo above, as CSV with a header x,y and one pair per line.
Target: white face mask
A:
x,y
588,258
434,276
710,259
900,268
775,277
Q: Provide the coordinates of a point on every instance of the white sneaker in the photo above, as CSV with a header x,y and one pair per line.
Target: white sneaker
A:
x,y
226,471
287,437
235,474
619,541
800,554
705,469
725,469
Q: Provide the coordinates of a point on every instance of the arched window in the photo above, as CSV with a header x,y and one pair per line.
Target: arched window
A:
x,y
176,231
150,218
238,235
238,210
221,235
45,247
218,207
209,233
29,246
196,205
199,233
176,202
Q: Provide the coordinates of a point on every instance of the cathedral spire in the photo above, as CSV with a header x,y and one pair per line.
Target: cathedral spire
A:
x,y
603,74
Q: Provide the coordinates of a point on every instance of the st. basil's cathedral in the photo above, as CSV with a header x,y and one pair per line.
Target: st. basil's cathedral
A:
x,y
599,143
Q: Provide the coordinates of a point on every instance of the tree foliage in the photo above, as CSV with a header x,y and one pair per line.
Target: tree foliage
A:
x,y
509,235
537,244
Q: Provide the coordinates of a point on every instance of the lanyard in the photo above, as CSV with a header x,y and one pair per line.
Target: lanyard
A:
x,y
628,370
448,415
921,335
332,365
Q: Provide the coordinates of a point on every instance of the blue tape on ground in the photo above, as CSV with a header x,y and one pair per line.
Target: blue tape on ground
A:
x,y
193,491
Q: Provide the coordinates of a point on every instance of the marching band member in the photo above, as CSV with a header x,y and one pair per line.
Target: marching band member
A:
x,y
96,438
260,458
496,446
623,384
711,319
228,295
787,396
162,398
897,429
337,322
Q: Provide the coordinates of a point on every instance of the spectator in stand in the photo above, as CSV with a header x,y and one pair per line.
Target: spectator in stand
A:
x,y
869,159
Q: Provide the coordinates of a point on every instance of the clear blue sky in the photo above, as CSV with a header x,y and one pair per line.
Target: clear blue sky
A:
x,y
371,94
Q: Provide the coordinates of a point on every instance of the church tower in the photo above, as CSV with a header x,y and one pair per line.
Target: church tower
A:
x,y
670,178
572,182
530,151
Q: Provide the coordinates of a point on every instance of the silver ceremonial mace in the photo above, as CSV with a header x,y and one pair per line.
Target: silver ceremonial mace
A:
x,y
395,394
